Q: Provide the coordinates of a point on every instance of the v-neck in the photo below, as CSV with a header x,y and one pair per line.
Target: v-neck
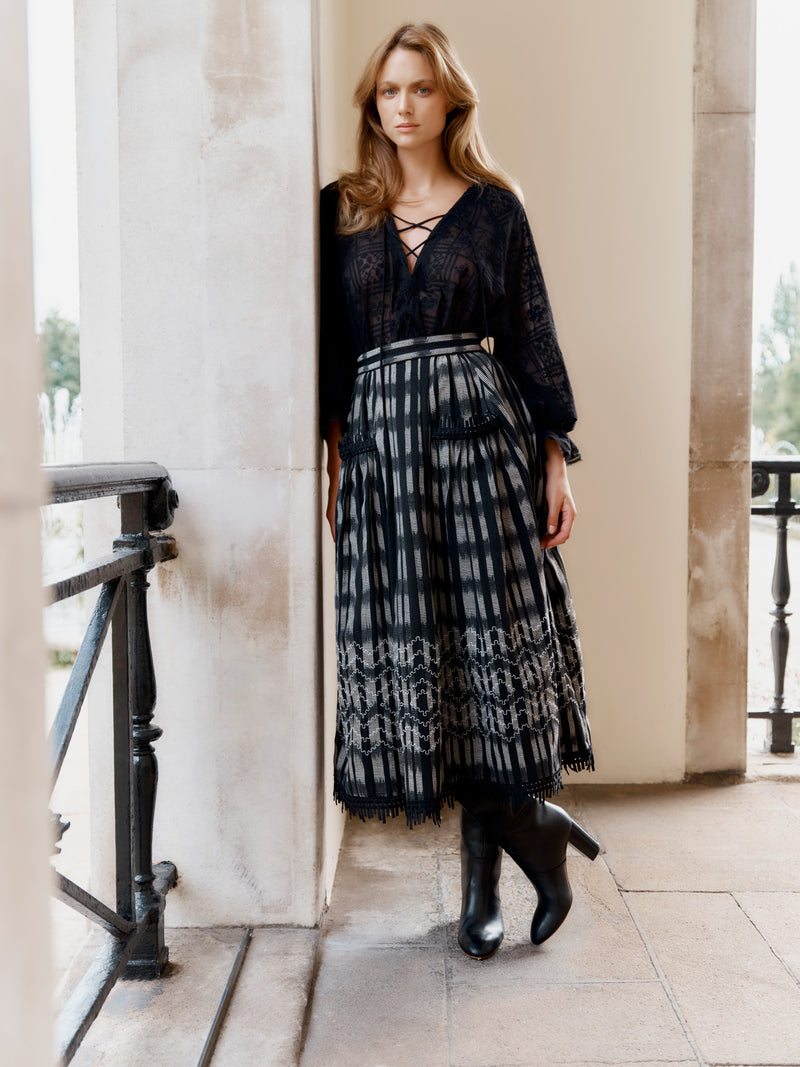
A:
x,y
411,271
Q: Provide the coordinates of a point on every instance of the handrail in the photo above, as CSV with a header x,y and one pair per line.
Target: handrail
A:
x,y
135,943
779,718
89,481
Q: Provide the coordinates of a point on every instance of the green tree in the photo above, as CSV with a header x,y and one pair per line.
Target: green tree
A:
x,y
776,393
60,349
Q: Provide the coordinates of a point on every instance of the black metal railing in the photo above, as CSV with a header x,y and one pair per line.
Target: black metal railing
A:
x,y
778,716
135,943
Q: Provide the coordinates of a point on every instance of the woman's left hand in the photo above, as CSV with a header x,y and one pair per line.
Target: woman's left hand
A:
x,y
561,509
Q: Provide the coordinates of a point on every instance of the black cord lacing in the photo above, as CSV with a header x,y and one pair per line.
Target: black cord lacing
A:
x,y
415,251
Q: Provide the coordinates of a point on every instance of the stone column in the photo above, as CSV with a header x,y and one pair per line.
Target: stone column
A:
x,y
25,978
719,457
198,314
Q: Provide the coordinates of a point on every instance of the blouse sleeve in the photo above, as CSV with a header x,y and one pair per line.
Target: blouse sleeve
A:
x,y
527,343
336,364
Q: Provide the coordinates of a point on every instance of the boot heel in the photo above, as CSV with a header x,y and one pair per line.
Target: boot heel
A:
x,y
584,842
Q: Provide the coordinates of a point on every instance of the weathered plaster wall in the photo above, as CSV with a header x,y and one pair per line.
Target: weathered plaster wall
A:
x,y
198,341
329,41
719,482
589,104
25,977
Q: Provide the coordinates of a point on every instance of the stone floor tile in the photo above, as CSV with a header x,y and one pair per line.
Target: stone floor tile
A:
x,y
788,793
738,1000
544,1026
141,1019
384,839
388,898
772,766
662,842
777,918
746,794
598,941
639,1063
265,1019
378,1006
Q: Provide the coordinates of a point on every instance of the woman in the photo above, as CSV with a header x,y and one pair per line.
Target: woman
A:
x,y
459,672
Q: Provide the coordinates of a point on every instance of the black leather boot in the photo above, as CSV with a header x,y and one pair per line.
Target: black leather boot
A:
x,y
481,921
536,839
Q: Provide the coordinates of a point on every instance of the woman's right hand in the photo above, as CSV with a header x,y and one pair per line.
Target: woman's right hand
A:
x,y
334,463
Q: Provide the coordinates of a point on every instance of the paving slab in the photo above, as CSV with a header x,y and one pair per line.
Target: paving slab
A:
x,y
639,1063
379,840
141,1020
739,1001
541,1026
265,1020
658,978
710,840
772,766
378,1006
598,941
388,898
788,793
777,918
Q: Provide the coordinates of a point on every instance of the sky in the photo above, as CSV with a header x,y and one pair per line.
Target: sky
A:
x,y
777,202
777,191
53,158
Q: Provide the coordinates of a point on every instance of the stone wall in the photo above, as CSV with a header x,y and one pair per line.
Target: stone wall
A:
x,y
719,457
197,208
25,976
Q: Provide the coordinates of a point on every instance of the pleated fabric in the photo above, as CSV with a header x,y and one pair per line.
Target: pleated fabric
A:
x,y
458,653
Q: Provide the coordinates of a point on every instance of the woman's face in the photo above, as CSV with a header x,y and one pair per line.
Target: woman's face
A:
x,y
412,109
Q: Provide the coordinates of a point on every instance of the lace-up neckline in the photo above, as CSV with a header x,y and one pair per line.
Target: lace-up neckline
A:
x,y
414,252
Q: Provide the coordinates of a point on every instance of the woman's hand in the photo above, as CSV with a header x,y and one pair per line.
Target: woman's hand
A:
x,y
561,510
334,463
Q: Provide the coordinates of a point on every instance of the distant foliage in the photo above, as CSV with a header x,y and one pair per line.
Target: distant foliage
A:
x,y
776,393
59,344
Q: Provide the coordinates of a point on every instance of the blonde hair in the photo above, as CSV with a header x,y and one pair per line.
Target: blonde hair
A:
x,y
366,193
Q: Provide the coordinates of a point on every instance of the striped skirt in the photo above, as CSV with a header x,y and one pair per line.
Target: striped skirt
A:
x,y
457,652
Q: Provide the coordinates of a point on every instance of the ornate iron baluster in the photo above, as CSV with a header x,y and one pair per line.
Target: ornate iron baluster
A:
x,y
779,718
779,724
123,809
151,953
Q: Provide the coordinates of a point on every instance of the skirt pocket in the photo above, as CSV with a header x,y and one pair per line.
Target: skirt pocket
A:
x,y
453,429
355,444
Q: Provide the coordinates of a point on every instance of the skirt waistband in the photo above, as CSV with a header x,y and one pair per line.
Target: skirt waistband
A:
x,y
443,344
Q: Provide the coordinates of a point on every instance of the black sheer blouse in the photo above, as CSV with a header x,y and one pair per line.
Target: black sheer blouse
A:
x,y
478,272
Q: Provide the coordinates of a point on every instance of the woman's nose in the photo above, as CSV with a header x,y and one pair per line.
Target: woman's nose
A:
x,y
405,103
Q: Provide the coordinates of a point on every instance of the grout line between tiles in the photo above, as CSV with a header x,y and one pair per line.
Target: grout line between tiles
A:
x,y
792,810
311,990
448,966
665,984
766,940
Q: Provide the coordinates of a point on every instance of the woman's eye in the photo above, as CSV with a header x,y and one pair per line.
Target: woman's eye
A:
x,y
389,92
423,90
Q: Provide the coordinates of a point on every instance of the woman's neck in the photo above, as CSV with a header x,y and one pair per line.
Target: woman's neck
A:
x,y
423,173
